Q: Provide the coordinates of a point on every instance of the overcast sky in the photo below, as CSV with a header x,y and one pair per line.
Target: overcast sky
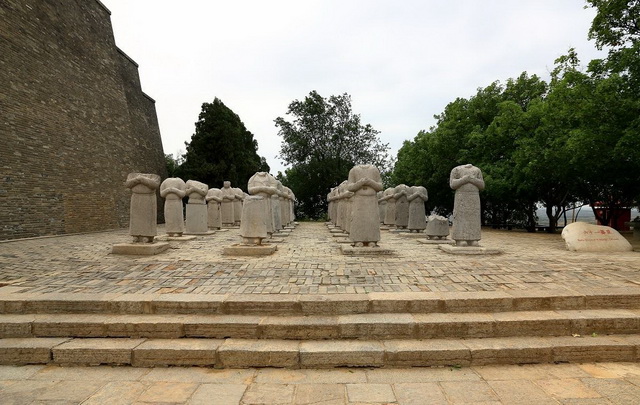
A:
x,y
402,61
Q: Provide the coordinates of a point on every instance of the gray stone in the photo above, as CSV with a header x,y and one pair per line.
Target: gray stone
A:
x,y
227,207
437,227
144,208
173,191
402,206
417,196
214,201
253,228
364,181
196,208
467,181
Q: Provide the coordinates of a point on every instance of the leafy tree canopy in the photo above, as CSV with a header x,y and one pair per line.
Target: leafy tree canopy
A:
x,y
221,149
322,141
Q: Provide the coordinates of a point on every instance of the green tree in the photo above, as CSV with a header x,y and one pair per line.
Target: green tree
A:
x,y
322,141
221,149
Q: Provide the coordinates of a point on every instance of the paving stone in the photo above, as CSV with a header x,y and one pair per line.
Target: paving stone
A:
x,y
308,376
171,392
612,370
431,352
419,394
18,372
79,373
615,390
377,326
325,394
199,375
464,392
299,327
222,326
524,392
529,372
268,394
370,393
567,388
121,392
421,374
71,391
220,394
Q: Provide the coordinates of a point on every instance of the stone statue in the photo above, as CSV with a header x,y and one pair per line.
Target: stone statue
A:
x,y
196,207
364,182
253,227
226,209
144,206
402,206
237,205
390,214
382,206
262,184
173,191
437,227
467,181
214,200
417,195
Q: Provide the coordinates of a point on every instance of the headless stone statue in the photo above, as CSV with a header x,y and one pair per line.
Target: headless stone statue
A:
x,y
144,208
467,181
417,195
214,200
382,206
253,227
237,205
402,206
364,181
261,184
390,214
226,209
173,191
196,207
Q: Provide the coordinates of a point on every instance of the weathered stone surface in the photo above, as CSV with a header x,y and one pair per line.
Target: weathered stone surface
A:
x,y
173,191
222,326
253,228
364,181
242,353
144,208
402,206
139,249
196,208
428,352
467,181
323,354
28,350
95,351
176,352
512,350
468,250
365,251
214,201
417,196
249,250
584,237
437,227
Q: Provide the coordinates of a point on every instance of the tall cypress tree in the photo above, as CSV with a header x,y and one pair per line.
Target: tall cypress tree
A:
x,y
221,149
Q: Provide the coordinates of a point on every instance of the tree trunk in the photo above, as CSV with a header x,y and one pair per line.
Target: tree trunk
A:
x,y
553,222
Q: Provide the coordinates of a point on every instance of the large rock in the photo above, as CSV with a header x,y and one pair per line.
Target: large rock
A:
x,y
584,237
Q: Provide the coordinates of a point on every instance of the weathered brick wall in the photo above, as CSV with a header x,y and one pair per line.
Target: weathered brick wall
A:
x,y
73,120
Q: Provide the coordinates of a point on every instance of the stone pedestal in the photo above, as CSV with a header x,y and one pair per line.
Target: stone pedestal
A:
x,y
170,238
469,250
365,251
141,249
249,250
437,241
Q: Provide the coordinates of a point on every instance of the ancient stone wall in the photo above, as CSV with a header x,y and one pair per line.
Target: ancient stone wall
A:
x,y
73,120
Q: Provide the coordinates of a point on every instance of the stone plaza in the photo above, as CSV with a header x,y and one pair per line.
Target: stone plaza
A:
x,y
307,309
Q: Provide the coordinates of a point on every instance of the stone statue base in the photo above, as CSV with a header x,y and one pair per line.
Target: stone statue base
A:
x,y
339,235
384,227
141,249
412,235
437,241
280,234
400,230
273,240
249,250
344,239
229,226
211,232
336,230
183,238
469,250
348,250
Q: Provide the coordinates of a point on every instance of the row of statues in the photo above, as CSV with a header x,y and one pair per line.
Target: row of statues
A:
x,y
359,206
207,208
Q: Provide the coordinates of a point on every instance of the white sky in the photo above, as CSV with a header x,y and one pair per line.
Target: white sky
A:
x,y
402,61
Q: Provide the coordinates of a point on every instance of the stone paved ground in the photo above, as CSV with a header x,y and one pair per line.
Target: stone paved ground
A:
x,y
602,383
308,261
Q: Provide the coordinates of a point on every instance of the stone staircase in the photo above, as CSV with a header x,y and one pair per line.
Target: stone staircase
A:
x,y
363,330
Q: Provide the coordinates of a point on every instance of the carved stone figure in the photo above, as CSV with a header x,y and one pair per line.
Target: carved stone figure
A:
x,y
364,182
144,207
390,214
437,227
253,227
196,207
417,195
467,181
262,184
226,209
214,201
173,191
237,205
382,206
402,206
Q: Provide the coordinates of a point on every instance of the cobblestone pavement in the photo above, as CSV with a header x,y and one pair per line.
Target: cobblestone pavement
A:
x,y
308,261
602,383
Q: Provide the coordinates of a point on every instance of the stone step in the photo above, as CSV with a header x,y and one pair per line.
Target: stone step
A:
x,y
356,326
336,304
239,353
